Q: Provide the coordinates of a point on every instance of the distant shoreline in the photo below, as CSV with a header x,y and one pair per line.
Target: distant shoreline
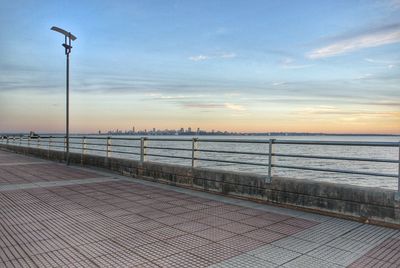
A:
x,y
216,134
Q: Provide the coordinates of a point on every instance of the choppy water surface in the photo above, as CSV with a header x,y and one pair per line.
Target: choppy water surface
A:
x,y
341,151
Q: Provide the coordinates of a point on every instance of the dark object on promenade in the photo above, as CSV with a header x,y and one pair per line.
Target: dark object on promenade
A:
x,y
33,135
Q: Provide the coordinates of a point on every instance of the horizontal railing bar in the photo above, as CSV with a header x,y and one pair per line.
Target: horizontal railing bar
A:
x,y
338,158
88,137
167,139
125,139
94,149
170,156
122,152
98,144
337,171
230,152
230,162
266,141
167,148
125,146
343,143
56,146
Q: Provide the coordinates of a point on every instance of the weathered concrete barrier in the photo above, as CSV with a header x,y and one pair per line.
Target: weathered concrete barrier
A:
x,y
372,205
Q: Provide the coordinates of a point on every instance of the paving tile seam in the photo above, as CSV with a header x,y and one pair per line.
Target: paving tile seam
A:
x,y
22,164
47,184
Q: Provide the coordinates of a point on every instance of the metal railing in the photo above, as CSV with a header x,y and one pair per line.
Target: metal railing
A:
x,y
139,146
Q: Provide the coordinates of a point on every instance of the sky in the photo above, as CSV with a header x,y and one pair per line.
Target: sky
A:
x,y
235,65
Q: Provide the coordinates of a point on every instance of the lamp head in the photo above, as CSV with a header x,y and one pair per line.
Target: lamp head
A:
x,y
64,32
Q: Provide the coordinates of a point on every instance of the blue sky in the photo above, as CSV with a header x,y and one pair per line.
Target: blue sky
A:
x,y
331,66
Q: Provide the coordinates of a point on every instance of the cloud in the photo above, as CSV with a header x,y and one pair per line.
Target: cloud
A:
x,y
387,63
395,4
228,55
197,105
289,63
221,55
322,110
234,107
388,34
364,76
275,84
199,58
386,103
212,105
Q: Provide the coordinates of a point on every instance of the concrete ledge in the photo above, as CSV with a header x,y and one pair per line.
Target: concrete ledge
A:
x,y
363,203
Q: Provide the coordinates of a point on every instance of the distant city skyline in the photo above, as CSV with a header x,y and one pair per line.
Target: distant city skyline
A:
x,y
238,66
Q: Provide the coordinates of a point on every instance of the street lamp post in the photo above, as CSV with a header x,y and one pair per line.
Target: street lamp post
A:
x,y
67,45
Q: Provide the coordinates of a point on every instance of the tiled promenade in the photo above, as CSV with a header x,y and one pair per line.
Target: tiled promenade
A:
x,y
57,216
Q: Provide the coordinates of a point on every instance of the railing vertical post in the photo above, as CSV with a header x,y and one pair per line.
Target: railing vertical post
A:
x,y
195,147
38,142
29,141
143,149
84,146
48,147
398,174
270,158
65,144
108,153
83,149
20,141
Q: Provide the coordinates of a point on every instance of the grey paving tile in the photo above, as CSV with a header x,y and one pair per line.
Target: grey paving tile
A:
x,y
315,236
296,244
336,228
370,234
334,255
244,260
350,245
366,262
305,261
274,254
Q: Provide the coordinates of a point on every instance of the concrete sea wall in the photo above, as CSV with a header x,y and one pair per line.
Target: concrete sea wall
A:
x,y
365,204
